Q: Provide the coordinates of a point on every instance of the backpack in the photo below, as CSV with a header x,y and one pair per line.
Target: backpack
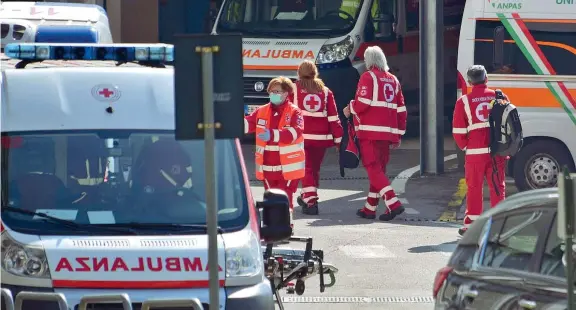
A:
x,y
505,128
350,156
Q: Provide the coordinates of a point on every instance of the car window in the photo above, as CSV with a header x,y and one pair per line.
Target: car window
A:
x,y
552,259
513,244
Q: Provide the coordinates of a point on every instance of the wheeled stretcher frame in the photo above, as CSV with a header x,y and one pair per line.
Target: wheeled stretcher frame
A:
x,y
284,265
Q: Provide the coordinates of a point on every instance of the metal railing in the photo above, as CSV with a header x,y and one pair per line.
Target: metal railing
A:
x,y
12,303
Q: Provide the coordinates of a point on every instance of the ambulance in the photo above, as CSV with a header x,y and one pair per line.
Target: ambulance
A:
x,y
529,50
280,34
100,203
53,22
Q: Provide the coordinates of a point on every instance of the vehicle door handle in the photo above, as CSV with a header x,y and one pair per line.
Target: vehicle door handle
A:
x,y
527,304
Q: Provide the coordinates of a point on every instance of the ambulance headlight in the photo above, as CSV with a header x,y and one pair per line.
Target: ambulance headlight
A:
x,y
244,260
336,52
23,260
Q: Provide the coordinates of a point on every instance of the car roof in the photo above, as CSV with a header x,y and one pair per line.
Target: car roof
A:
x,y
522,199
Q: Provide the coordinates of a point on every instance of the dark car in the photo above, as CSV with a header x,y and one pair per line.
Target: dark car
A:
x,y
510,258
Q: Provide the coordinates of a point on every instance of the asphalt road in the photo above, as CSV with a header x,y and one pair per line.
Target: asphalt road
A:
x,y
381,265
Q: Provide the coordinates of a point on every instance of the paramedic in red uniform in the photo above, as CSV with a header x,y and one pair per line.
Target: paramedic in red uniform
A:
x,y
471,132
279,141
322,131
380,122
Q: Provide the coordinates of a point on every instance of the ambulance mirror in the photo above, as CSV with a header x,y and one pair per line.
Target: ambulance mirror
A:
x,y
275,224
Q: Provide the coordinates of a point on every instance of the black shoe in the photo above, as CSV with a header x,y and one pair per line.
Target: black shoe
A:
x,y
392,214
462,231
301,202
310,210
362,214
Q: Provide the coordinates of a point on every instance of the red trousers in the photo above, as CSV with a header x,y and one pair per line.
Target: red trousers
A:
x,y
375,155
475,173
289,187
314,158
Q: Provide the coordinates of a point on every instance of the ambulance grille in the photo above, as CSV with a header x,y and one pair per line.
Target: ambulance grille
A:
x,y
254,42
285,43
101,243
182,243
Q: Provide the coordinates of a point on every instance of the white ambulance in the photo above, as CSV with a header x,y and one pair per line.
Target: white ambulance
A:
x,y
529,50
280,34
99,198
53,22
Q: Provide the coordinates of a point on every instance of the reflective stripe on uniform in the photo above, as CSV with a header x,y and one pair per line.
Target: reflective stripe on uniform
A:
x,y
290,148
271,168
294,133
462,131
484,150
318,137
275,135
338,140
391,201
385,190
292,167
373,195
348,3
467,109
380,129
401,109
370,207
313,114
309,189
333,118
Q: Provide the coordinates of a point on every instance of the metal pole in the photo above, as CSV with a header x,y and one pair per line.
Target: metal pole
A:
x,y
431,87
211,208
569,202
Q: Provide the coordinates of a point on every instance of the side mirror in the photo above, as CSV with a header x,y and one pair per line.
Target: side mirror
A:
x,y
384,23
275,224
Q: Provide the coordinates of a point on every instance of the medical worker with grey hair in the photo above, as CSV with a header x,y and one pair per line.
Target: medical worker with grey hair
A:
x,y
380,122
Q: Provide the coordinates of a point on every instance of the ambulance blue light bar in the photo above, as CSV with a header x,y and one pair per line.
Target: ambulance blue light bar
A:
x,y
98,52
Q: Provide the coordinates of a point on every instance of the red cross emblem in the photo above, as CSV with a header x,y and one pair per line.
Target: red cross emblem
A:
x,y
483,111
106,92
389,92
312,103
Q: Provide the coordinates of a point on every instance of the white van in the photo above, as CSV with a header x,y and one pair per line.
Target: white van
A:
x,y
99,198
529,50
53,22
280,34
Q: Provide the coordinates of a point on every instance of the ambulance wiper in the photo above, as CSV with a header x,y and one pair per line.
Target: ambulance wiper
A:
x,y
67,223
177,227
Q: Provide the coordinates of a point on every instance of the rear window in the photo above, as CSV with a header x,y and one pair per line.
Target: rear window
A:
x,y
116,177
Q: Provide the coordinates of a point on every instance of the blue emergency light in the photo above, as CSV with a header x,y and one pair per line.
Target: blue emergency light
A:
x,y
102,52
66,34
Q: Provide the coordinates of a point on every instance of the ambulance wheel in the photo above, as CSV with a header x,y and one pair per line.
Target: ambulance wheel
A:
x,y
539,163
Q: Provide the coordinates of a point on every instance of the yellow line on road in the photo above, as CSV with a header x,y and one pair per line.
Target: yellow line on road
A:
x,y
449,215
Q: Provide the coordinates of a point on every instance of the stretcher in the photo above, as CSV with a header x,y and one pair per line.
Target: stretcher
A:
x,y
289,268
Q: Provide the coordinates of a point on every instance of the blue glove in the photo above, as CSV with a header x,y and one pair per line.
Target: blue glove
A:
x,y
265,136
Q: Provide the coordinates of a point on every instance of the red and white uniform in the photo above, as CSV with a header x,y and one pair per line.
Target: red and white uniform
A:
x,y
272,167
471,132
322,130
380,121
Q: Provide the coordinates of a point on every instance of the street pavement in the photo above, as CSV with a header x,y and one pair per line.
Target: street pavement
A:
x,y
382,265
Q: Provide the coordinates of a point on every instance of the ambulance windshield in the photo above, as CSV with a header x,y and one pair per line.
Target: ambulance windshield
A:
x,y
113,178
284,18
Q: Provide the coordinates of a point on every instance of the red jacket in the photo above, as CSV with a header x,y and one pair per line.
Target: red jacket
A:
x,y
285,135
470,126
379,110
323,128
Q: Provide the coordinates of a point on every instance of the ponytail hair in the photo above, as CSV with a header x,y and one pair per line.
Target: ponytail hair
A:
x,y
308,77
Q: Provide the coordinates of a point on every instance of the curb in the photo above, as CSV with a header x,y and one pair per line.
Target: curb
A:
x,y
453,210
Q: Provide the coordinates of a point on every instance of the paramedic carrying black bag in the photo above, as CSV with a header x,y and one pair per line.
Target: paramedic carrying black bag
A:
x,y
350,156
505,131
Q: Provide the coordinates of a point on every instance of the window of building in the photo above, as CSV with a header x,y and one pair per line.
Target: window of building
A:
x,y
496,49
513,246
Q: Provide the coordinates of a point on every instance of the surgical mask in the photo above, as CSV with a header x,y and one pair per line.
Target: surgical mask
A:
x,y
277,99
